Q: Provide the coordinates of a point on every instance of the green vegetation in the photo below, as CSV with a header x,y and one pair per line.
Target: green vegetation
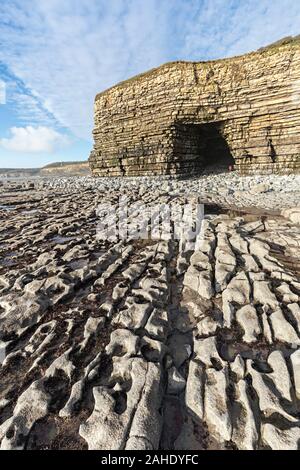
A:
x,y
62,164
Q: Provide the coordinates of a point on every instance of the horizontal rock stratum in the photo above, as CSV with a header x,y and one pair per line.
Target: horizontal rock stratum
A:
x,y
181,117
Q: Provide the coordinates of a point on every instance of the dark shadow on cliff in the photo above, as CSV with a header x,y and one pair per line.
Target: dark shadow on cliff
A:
x,y
202,148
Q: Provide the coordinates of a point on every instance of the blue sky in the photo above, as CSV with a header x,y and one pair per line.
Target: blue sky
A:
x,y
56,55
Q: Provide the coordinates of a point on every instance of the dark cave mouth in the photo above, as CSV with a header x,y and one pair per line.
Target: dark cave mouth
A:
x,y
214,148
204,145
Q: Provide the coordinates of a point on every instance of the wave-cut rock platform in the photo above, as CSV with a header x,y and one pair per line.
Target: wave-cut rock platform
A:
x,y
150,343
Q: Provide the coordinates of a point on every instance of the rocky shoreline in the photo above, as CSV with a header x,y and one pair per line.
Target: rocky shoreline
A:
x,y
150,343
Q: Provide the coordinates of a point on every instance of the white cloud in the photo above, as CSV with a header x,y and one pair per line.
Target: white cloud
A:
x,y
65,52
223,28
34,140
2,92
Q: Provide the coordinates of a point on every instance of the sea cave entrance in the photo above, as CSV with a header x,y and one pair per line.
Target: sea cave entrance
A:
x,y
202,147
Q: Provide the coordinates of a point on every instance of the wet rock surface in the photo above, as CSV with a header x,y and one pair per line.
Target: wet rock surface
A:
x,y
149,343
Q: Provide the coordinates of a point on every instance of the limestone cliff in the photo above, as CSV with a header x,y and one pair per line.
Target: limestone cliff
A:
x,y
184,116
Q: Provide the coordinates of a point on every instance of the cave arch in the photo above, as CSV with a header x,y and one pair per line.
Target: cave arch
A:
x,y
202,146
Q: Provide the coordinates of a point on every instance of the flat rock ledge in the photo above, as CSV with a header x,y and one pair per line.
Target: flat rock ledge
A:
x,y
156,343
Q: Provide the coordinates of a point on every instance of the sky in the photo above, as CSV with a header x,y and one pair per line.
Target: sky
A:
x,y
55,56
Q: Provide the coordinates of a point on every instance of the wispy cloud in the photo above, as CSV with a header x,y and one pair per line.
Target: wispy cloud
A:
x,y
34,140
64,52
222,28
27,106
2,92
67,51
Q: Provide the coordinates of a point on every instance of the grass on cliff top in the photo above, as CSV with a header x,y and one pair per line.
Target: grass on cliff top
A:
x,y
288,41
62,164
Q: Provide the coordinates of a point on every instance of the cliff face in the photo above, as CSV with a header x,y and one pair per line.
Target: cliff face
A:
x,y
183,117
